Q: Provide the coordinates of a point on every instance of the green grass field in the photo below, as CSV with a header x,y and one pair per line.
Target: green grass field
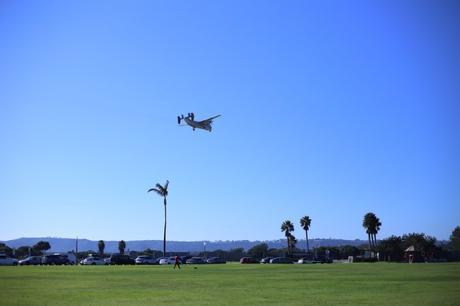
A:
x,y
235,284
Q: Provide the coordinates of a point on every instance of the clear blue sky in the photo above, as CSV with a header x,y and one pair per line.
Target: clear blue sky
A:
x,y
329,109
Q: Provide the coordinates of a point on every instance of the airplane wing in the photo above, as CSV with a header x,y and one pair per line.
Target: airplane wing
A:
x,y
209,120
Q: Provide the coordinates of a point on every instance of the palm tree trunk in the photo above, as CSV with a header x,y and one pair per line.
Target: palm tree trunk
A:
x,y
164,232
289,246
369,238
308,248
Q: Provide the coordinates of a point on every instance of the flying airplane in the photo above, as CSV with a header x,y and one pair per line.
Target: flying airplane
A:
x,y
190,120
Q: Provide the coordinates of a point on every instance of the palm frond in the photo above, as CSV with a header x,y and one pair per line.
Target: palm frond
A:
x,y
156,190
305,223
166,185
160,187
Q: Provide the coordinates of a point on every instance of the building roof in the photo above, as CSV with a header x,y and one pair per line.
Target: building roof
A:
x,y
410,249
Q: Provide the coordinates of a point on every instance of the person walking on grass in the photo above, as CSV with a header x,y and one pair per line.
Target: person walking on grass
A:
x,y
176,262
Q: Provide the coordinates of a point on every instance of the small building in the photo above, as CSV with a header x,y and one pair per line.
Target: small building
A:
x,y
412,255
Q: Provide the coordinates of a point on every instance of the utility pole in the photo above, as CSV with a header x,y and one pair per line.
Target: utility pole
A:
x,y
76,251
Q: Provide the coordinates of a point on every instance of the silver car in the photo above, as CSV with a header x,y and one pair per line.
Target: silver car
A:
x,y
31,260
167,261
280,260
93,261
8,261
145,260
195,260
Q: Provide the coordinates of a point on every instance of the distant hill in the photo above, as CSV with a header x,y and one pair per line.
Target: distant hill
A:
x,y
68,244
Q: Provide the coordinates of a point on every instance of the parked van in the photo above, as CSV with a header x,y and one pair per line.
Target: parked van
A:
x,y
59,259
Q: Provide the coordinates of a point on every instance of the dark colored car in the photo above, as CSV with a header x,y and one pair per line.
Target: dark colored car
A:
x,y
119,259
183,259
248,260
55,259
280,260
195,260
31,260
323,259
216,260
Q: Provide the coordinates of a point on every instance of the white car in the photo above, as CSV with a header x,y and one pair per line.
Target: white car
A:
x,y
8,261
93,261
145,260
167,261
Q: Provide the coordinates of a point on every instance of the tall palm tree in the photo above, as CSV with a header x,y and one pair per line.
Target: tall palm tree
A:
x,y
367,224
292,242
375,229
101,247
162,191
372,225
287,227
305,223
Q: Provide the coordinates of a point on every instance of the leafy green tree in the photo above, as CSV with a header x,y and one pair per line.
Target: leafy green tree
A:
x,y
348,250
101,247
391,248
421,242
273,252
121,246
455,239
42,246
305,223
235,254
22,251
287,227
218,253
4,249
162,191
258,251
332,252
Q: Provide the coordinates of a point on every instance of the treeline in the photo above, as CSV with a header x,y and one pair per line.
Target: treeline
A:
x,y
24,251
426,248
423,247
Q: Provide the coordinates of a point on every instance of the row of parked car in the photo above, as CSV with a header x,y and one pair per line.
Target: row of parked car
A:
x,y
53,259
120,259
284,260
114,259
144,259
148,260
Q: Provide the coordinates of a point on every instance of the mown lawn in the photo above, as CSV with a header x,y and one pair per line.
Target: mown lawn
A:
x,y
234,284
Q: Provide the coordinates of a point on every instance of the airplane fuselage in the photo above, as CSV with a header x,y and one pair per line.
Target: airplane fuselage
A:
x,y
197,125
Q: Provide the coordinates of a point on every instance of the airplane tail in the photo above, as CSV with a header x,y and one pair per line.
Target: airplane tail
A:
x,y
178,119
